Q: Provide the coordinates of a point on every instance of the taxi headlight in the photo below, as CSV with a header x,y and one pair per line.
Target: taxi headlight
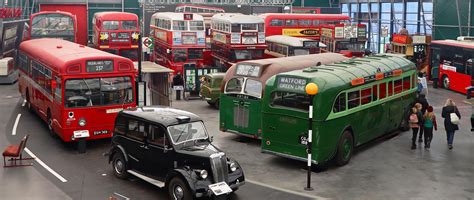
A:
x,y
203,174
82,122
232,166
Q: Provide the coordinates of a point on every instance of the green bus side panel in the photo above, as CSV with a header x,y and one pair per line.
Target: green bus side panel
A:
x,y
240,115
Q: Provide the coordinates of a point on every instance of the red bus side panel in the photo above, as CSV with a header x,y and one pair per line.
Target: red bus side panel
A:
x,y
79,10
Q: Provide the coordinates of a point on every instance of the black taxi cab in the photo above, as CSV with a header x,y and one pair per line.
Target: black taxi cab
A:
x,y
171,149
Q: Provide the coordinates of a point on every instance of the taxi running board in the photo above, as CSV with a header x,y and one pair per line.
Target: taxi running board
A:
x,y
147,179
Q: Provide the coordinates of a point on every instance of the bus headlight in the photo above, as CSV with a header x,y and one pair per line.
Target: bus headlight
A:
x,y
203,174
82,122
232,166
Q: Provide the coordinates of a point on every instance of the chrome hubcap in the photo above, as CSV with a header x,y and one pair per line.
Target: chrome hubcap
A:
x,y
118,166
446,82
178,192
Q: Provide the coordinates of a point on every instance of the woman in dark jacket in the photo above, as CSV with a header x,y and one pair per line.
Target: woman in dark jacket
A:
x,y
449,108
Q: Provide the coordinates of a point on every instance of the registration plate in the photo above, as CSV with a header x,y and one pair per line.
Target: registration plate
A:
x,y
81,134
220,188
101,132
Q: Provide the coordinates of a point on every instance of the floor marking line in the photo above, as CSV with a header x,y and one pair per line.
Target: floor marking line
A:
x,y
16,124
62,179
23,104
121,196
286,190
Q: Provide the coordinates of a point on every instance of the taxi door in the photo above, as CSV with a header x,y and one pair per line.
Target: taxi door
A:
x,y
157,162
135,144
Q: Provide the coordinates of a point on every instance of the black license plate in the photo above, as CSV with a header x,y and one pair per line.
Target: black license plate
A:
x,y
101,132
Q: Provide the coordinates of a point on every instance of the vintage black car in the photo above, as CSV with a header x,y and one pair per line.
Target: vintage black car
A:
x,y
171,149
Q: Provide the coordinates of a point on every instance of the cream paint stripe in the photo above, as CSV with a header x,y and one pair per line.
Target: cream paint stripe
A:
x,y
15,126
302,194
62,179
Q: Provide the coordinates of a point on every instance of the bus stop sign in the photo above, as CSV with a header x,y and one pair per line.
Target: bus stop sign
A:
x,y
148,42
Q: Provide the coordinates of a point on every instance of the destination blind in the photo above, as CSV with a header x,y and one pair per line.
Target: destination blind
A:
x,y
99,66
291,83
248,70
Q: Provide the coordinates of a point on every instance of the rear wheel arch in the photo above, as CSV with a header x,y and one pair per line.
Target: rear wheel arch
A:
x,y
118,149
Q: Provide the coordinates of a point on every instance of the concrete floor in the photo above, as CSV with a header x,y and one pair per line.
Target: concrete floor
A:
x,y
384,169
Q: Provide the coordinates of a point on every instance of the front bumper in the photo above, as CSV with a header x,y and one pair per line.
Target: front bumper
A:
x,y
208,193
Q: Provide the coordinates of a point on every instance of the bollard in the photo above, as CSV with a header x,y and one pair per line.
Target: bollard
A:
x,y
311,90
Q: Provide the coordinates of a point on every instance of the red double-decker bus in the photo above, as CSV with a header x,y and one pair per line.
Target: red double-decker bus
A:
x,y
300,25
179,40
452,63
77,90
236,37
117,33
347,39
53,24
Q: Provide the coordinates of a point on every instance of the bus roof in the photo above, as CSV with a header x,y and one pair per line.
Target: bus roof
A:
x,y
274,66
200,6
59,53
304,16
464,44
176,16
52,12
237,18
115,16
290,40
342,73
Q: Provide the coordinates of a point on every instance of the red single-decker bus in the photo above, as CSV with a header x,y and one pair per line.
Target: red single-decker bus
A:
x,y
77,90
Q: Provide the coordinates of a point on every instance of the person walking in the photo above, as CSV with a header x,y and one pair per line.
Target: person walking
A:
x,y
414,125
451,116
430,123
419,114
178,85
422,104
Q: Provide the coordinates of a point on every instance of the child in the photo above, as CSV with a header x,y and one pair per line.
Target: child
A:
x,y
430,122
414,125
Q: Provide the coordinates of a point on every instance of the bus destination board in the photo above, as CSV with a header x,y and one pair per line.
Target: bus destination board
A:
x,y
248,70
311,44
99,66
290,83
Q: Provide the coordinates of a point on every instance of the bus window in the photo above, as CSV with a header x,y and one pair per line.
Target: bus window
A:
x,y
235,28
366,96
249,27
304,22
110,25
398,86
315,22
179,55
390,88
291,22
234,85
194,54
276,22
291,100
196,25
459,63
383,90
340,104
374,92
261,27
58,90
406,83
353,99
129,25
253,88
298,52
469,67
179,25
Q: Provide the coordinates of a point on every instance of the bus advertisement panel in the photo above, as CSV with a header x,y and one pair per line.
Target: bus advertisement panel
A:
x,y
243,87
117,33
452,63
236,37
348,39
380,89
300,25
284,46
179,40
53,24
75,89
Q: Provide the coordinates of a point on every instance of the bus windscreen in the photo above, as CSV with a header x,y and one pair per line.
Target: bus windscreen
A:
x,y
91,92
53,25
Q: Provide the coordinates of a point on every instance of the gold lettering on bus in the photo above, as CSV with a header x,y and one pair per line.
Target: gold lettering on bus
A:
x,y
300,32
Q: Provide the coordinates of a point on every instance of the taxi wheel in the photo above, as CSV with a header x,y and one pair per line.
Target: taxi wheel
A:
x,y
120,166
178,190
345,148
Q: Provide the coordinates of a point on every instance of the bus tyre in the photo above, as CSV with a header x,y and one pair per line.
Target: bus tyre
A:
x,y
28,102
119,165
216,104
445,82
50,125
345,148
179,190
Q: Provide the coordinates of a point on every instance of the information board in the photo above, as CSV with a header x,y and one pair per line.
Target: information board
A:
x,y
99,66
291,83
248,70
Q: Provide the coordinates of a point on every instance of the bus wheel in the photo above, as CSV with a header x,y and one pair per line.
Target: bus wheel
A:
x,y
50,125
345,148
445,82
119,165
216,104
178,189
28,102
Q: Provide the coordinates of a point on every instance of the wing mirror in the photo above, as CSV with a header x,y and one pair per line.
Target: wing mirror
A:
x,y
166,149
